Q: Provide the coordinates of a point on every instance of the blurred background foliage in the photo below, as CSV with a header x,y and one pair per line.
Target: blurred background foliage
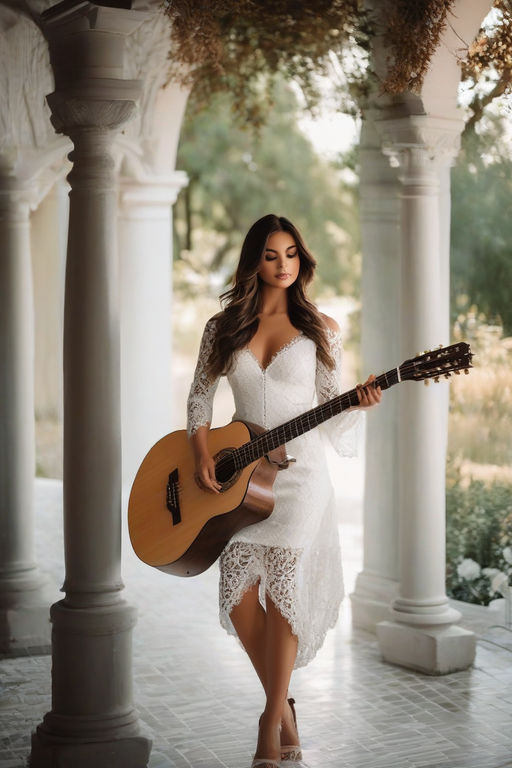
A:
x,y
237,175
481,247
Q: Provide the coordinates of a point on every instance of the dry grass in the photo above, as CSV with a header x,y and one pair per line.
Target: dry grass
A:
x,y
481,403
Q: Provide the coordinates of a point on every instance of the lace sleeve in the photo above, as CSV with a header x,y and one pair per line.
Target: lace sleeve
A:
x,y
343,430
202,390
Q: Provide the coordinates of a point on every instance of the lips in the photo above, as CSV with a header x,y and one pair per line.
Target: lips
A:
x,y
283,276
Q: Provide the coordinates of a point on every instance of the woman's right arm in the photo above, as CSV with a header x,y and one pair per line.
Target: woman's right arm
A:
x,y
199,413
204,463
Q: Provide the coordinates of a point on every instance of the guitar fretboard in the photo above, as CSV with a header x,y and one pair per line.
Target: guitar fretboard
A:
x,y
273,438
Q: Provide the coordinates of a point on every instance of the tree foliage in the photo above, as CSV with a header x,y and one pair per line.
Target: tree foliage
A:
x,y
237,176
487,70
481,227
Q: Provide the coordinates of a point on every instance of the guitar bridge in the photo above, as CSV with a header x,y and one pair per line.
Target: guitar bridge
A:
x,y
172,497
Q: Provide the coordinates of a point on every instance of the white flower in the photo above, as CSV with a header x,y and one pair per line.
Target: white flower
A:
x,y
490,572
507,554
500,583
468,569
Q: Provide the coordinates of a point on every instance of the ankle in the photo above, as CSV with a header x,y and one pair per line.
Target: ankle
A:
x,y
271,718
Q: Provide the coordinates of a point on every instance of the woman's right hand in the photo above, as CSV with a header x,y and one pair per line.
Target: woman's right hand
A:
x,y
205,474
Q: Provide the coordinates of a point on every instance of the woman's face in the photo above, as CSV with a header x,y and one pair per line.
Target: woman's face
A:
x,y
280,262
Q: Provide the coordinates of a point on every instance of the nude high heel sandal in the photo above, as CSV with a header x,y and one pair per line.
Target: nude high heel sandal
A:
x,y
293,752
263,762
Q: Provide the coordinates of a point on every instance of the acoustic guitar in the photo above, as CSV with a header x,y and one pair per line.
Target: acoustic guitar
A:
x,y
180,528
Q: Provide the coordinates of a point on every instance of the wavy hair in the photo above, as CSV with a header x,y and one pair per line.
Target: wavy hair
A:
x,y
238,321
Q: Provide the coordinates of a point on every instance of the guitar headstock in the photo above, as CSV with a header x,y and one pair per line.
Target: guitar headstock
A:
x,y
438,363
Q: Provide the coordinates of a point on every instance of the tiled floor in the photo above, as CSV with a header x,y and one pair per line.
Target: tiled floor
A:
x,y
199,700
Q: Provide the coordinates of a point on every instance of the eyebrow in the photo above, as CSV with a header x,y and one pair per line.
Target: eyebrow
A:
x,y
273,251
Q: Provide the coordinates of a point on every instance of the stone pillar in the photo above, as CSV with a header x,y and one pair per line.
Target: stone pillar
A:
x,y
420,634
92,720
48,258
377,584
25,595
145,256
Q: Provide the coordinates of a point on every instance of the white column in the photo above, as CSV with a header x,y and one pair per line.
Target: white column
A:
x,y
145,256
421,634
92,720
48,259
377,584
24,593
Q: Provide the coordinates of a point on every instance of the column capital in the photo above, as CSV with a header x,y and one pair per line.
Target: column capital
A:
x,y
420,145
87,41
74,112
17,196
87,53
151,190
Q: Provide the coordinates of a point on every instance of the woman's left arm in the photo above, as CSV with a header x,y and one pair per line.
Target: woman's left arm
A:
x,y
343,430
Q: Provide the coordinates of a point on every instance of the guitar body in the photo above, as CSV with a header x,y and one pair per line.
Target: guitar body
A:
x,y
178,527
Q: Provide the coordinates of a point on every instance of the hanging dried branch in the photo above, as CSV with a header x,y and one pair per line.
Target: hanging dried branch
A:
x,y
238,45
490,57
413,31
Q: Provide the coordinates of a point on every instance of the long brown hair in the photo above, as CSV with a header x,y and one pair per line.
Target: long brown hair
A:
x,y
237,323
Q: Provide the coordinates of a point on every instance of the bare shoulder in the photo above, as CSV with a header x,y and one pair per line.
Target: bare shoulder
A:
x,y
331,323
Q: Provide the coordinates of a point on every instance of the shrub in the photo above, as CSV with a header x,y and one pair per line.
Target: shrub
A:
x,y
478,537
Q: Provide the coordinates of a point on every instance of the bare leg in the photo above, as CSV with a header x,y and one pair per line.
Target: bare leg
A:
x,y
272,648
250,620
281,651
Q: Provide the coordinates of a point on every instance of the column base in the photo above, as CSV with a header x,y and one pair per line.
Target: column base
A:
x,y
131,752
371,600
92,721
25,628
434,650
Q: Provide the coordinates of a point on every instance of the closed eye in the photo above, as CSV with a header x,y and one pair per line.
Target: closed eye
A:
x,y
270,255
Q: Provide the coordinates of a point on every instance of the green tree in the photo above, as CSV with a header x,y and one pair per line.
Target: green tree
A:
x,y
237,176
481,224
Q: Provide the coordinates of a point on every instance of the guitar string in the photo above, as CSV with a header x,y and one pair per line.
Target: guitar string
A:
x,y
251,450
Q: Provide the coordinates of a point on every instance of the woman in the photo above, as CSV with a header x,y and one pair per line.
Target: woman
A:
x,y
280,580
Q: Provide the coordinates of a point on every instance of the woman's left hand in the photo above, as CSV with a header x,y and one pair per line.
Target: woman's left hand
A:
x,y
367,394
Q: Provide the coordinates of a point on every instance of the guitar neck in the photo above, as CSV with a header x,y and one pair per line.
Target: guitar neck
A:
x,y
299,425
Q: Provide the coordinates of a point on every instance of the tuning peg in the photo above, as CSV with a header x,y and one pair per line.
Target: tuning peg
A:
x,y
436,379
426,382
457,373
447,375
466,371
440,346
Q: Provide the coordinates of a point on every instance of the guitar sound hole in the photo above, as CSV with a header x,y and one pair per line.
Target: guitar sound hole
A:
x,y
225,470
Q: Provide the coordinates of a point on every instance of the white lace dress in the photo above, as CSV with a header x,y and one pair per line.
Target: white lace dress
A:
x,y
295,553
